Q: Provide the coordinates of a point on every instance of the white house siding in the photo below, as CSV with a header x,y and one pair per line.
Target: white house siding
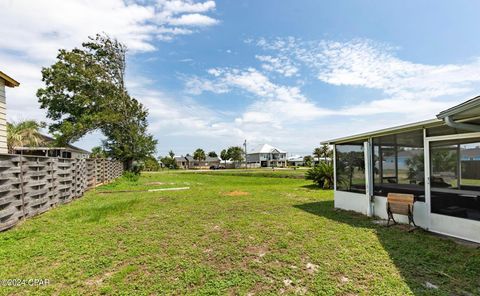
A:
x,y
357,202
456,227
3,119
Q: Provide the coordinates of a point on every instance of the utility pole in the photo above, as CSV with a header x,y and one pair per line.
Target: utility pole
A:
x,y
245,147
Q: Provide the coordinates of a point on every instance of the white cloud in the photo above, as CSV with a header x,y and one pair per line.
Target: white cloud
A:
x,y
174,7
21,101
373,65
276,104
283,115
33,31
53,23
194,20
282,65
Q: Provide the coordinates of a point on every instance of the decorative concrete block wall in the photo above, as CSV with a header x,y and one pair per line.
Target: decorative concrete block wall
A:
x,y
31,185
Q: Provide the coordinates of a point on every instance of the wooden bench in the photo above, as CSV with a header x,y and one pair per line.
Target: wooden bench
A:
x,y
402,204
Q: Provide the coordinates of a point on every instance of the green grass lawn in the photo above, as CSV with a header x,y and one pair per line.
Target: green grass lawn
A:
x,y
227,234
298,173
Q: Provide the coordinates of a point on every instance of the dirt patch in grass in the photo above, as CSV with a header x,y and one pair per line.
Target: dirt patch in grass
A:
x,y
236,193
259,251
99,279
158,183
155,183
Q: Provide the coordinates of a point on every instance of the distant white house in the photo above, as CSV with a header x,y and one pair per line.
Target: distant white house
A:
x,y
267,156
296,160
5,81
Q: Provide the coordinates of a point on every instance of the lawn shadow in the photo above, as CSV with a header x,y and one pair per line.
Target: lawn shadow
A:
x,y
419,256
311,187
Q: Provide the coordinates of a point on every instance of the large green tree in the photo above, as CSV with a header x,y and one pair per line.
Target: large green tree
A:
x,y
128,139
236,154
85,91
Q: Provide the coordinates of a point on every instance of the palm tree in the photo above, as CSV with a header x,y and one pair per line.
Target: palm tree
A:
x,y
98,152
199,154
318,152
24,134
307,160
322,174
224,156
326,152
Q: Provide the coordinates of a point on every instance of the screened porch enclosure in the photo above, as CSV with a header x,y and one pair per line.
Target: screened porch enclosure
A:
x,y
436,160
455,178
398,166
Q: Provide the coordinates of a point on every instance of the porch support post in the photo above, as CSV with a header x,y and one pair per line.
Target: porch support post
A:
x,y
334,167
368,176
426,166
459,167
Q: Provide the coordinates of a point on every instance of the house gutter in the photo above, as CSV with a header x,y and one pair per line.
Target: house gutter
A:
x,y
461,126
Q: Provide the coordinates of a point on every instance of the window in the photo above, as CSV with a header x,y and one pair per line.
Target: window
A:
x,y
398,164
455,178
350,167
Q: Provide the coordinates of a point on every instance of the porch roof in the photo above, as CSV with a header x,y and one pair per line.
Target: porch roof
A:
x,y
386,131
467,109
466,112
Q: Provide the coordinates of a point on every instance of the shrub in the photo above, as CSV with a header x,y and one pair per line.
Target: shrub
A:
x,y
131,176
169,162
137,167
321,174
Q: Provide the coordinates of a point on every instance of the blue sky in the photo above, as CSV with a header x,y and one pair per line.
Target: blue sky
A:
x,y
287,73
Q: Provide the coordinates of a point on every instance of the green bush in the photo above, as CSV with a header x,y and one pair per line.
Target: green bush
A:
x,y
151,164
321,174
137,167
131,176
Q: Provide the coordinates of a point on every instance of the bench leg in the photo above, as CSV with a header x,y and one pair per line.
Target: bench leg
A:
x,y
410,216
410,220
390,217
